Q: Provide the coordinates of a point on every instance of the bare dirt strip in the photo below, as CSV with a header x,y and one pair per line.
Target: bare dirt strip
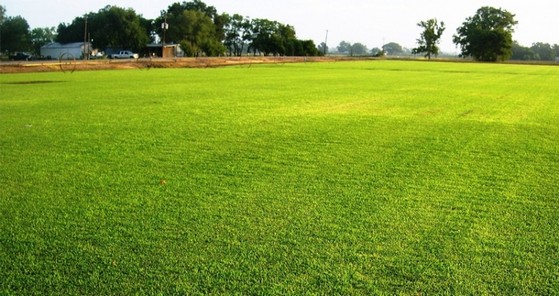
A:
x,y
148,63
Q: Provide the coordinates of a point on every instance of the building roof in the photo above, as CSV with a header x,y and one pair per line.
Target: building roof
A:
x,y
152,45
60,45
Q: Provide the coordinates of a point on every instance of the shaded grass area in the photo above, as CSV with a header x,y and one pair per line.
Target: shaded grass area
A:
x,y
337,178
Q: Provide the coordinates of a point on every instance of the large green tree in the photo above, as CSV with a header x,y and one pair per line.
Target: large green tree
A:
x,y
112,26
237,32
196,26
42,36
2,14
429,38
392,48
487,36
2,18
359,49
15,35
544,51
522,53
344,47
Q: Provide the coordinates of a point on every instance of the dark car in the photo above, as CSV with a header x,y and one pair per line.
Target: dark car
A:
x,y
21,56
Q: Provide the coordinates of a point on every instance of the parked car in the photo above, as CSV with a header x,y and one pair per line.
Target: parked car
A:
x,y
21,56
124,54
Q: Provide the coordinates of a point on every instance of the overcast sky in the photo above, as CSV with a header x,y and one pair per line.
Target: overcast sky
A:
x,y
369,22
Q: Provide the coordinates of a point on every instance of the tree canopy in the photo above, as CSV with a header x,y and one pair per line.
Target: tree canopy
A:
x,y
14,32
487,36
393,48
42,36
430,37
111,27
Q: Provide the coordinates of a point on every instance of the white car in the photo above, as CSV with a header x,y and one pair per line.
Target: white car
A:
x,y
124,54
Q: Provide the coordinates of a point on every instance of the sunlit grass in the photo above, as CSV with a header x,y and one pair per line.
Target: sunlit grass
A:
x,y
330,178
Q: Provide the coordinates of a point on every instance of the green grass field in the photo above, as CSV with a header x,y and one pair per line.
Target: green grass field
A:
x,y
380,177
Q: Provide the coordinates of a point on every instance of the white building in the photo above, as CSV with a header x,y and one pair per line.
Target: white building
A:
x,y
68,51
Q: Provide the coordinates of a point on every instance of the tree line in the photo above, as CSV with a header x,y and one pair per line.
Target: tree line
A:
x,y
201,30
486,36
197,27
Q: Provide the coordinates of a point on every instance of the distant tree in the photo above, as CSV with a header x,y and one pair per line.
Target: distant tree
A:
x,y
2,18
263,37
429,38
358,49
235,40
112,26
2,14
272,38
544,51
376,52
196,26
42,36
487,36
288,43
344,47
522,53
72,32
15,35
393,48
149,27
323,48
309,48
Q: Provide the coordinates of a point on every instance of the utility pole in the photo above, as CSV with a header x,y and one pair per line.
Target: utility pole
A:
x,y
85,47
326,43
164,26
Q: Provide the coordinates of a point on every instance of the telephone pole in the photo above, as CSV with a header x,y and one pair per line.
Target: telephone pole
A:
x,y
85,45
326,43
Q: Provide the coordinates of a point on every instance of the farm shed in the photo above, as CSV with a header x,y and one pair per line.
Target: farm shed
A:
x,y
166,51
56,50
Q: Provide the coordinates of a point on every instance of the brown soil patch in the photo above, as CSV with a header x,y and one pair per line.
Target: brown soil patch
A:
x,y
71,66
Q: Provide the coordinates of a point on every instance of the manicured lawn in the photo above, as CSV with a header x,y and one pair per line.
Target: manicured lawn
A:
x,y
379,177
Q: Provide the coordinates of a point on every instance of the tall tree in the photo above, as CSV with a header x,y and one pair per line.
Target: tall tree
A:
x,y
377,52
264,38
2,18
112,26
344,47
15,34
73,32
196,26
487,36
2,14
118,28
429,38
392,48
233,35
309,48
42,36
544,51
323,48
359,49
522,53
